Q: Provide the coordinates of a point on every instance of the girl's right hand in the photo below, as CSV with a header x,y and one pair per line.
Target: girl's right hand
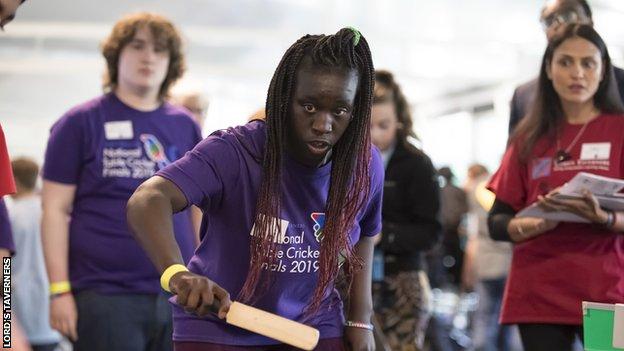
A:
x,y
525,228
196,294
64,315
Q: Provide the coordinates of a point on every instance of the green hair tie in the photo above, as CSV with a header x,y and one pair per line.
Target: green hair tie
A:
x,y
357,34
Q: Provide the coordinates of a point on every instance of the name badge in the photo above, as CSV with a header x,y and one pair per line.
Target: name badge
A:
x,y
595,151
118,130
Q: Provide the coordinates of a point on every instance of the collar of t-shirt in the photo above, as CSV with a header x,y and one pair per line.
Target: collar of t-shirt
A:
x,y
131,111
291,164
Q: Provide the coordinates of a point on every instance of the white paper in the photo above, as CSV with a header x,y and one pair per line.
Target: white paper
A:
x,y
535,211
597,185
605,189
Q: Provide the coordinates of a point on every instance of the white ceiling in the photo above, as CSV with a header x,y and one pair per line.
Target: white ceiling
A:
x,y
447,54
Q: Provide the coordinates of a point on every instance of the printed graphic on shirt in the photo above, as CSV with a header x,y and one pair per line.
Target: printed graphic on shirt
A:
x,y
593,157
293,253
154,150
135,160
541,167
280,237
582,165
319,223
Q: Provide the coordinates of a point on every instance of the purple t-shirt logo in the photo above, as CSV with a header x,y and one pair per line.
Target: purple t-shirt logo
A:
x,y
154,150
319,223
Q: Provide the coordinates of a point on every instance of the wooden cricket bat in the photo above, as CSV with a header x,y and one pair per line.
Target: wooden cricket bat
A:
x,y
272,326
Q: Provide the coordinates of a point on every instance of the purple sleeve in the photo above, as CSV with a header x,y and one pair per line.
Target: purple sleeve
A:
x,y
370,223
6,236
198,135
203,173
63,157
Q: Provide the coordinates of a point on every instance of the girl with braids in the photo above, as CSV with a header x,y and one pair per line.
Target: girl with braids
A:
x,y
575,125
286,201
410,225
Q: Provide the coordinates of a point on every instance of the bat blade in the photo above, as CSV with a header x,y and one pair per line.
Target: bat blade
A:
x,y
272,326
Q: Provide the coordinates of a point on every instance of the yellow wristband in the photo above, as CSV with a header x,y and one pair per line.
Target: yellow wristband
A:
x,y
60,287
168,273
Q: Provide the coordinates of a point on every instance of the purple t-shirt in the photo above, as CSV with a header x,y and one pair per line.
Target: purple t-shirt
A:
x,y
107,149
222,175
6,236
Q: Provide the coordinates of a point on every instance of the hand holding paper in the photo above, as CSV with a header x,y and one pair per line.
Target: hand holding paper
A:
x,y
581,200
586,206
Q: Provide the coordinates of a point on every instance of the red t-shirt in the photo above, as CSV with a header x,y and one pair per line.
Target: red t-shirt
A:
x,y
553,273
7,184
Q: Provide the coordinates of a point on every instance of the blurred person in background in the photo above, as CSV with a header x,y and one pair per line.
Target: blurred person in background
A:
x,y
454,206
7,184
7,250
444,259
258,115
31,297
105,292
555,15
7,246
410,225
7,11
575,125
486,265
194,101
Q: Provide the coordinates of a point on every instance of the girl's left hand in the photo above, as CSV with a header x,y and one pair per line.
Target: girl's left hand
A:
x,y
586,206
359,339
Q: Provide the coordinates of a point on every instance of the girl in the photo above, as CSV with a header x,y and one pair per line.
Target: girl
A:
x,y
410,226
556,266
285,202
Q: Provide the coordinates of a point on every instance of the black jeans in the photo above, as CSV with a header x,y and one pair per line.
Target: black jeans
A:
x,y
123,322
548,337
46,347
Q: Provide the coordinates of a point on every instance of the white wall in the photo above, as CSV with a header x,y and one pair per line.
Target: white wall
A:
x,y
449,55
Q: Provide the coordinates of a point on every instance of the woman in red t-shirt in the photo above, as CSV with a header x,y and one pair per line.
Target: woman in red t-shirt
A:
x,y
575,125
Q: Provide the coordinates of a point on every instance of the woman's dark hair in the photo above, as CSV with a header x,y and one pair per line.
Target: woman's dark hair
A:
x,y
387,90
349,180
546,115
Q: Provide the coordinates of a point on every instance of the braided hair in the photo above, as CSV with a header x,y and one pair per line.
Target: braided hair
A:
x,y
349,179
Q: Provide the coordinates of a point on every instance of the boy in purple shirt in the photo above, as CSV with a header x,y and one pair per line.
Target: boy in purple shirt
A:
x,y
105,292
285,203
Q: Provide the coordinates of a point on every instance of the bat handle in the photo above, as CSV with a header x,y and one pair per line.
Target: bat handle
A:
x,y
216,305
